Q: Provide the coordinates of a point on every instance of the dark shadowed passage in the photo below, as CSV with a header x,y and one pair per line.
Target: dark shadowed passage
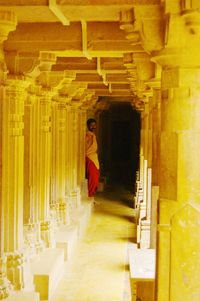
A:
x,y
119,138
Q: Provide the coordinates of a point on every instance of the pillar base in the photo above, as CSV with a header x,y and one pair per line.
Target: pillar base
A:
x,y
5,284
18,271
84,188
74,198
47,233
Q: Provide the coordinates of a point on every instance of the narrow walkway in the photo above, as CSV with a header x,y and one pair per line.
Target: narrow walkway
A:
x,y
99,271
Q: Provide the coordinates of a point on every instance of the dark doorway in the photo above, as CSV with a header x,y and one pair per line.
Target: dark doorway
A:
x,y
119,144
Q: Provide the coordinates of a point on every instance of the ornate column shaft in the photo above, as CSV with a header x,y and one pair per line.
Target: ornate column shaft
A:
x,y
69,173
68,151
75,116
59,149
74,194
7,23
44,163
30,205
156,129
13,177
81,146
32,233
12,155
82,179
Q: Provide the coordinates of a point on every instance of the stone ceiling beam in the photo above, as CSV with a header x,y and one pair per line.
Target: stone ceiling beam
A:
x,y
113,93
95,78
41,11
103,39
113,86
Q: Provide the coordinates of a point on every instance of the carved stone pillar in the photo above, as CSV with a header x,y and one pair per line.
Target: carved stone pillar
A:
x,y
30,205
32,233
59,149
144,148
179,186
179,177
74,193
75,116
82,134
13,176
44,164
7,23
156,129
68,163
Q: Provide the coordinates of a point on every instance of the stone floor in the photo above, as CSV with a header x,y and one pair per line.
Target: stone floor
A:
x,y
99,270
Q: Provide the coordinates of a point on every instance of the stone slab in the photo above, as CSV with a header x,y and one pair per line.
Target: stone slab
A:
x,y
142,264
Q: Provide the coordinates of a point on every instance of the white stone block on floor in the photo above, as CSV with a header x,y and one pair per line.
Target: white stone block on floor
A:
x,y
47,271
142,264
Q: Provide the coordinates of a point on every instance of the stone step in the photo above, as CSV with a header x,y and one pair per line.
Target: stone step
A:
x,y
48,270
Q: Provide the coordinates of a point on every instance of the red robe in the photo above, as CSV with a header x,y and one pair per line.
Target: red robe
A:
x,y
92,163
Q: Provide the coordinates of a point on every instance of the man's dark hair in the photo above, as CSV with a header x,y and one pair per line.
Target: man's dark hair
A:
x,y
89,121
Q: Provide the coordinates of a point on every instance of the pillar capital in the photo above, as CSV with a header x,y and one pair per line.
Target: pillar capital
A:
x,y
62,99
182,41
33,89
143,28
130,26
139,64
16,83
42,64
138,104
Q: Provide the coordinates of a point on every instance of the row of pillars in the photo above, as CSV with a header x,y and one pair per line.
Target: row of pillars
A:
x,y
42,168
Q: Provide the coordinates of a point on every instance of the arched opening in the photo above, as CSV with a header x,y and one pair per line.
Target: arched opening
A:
x,y
119,138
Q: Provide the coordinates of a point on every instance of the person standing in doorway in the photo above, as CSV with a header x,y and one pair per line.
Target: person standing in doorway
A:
x,y
92,162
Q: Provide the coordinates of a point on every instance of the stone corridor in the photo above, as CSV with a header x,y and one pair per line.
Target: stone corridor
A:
x,y
99,271
133,66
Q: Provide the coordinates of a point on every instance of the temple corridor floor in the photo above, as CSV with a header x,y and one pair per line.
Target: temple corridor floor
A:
x,y
99,269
